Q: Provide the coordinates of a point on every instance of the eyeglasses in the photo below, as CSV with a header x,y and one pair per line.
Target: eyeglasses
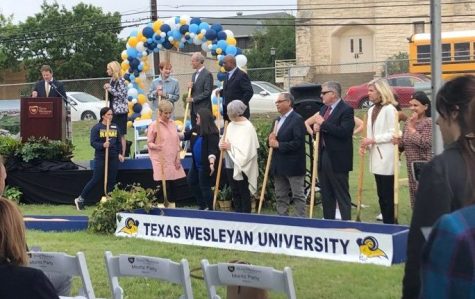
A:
x,y
325,92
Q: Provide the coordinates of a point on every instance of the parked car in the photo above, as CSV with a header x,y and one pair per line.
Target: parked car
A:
x,y
404,85
84,106
265,95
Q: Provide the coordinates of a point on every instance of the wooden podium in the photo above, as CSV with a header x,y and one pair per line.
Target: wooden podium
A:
x,y
43,117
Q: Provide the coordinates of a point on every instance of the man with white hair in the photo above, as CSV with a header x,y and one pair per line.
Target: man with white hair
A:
x,y
201,87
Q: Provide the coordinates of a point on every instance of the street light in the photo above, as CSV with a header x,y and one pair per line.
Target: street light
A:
x,y
272,54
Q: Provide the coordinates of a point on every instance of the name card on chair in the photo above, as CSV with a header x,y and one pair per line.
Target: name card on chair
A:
x,y
143,266
245,275
47,262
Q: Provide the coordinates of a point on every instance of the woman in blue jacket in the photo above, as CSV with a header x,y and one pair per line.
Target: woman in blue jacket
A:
x,y
99,143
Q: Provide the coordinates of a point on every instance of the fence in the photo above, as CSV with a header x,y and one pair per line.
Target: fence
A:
x,y
283,74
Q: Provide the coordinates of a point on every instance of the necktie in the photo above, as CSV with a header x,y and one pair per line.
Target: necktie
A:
x,y
327,113
47,88
196,75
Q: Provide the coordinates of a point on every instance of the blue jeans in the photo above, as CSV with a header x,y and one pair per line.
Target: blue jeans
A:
x,y
200,183
98,174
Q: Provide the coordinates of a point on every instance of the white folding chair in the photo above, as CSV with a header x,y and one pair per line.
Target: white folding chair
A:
x,y
146,266
140,127
230,274
60,262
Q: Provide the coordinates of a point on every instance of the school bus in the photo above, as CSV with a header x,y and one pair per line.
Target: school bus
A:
x,y
458,53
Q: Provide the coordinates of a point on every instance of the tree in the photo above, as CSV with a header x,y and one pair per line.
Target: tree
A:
x,y
7,57
278,34
398,63
76,44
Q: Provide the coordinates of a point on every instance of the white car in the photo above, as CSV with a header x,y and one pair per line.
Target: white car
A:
x,y
265,95
84,106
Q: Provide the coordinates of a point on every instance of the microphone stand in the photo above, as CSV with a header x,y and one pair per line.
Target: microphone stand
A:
x,y
68,111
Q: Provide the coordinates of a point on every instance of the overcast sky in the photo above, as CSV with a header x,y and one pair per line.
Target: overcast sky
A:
x,y
135,9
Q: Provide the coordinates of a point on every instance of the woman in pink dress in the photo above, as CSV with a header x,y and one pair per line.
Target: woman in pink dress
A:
x,y
416,140
164,149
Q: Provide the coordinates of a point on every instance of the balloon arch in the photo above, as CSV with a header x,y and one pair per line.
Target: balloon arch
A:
x,y
174,32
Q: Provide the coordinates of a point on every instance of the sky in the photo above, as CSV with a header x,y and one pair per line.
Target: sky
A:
x,y
136,9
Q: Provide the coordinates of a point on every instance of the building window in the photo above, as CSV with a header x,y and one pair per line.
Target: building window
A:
x,y
360,46
352,47
419,27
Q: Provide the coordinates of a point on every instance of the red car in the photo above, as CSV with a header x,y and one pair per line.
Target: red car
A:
x,y
403,85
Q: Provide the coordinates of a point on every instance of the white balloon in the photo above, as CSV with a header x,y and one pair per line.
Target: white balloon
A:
x,y
203,31
146,106
241,60
192,35
134,101
132,93
197,41
163,34
204,47
170,38
229,33
144,53
140,47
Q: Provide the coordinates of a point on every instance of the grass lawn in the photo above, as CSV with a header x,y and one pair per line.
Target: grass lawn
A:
x,y
313,278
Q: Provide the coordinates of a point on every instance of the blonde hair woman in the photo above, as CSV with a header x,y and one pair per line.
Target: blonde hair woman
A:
x,y
18,280
380,131
118,99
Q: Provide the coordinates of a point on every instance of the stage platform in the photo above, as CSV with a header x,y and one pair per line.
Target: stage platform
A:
x,y
62,186
56,223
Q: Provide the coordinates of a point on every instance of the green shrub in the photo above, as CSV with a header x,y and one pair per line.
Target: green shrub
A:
x,y
103,219
13,193
9,146
45,149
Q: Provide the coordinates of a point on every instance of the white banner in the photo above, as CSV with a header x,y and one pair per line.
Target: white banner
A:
x,y
350,245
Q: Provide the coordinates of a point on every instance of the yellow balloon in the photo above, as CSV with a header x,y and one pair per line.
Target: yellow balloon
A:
x,y
219,51
141,99
156,25
147,115
133,41
130,104
215,110
124,55
140,37
222,69
141,85
138,118
178,123
231,41
125,65
146,67
129,124
182,21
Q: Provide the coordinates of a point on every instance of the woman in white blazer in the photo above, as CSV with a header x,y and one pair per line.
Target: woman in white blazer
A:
x,y
380,131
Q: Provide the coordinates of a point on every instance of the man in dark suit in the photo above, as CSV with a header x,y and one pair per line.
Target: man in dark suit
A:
x,y
48,87
288,157
236,86
201,87
335,122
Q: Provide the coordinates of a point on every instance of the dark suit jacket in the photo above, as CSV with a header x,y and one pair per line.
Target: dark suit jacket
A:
x,y
58,92
238,87
337,132
209,146
289,158
201,91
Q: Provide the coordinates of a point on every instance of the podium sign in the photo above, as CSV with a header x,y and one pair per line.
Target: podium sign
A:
x,y
42,117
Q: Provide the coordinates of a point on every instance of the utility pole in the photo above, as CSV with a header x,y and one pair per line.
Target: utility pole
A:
x,y
436,70
156,55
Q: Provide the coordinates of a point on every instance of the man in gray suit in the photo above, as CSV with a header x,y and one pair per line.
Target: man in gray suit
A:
x,y
201,87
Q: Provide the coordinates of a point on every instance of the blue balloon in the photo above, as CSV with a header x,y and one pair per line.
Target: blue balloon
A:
x,y
210,34
165,28
148,32
222,35
133,32
150,40
231,50
239,51
203,25
195,21
176,34
137,108
184,29
167,45
134,116
132,52
193,28
222,44
221,76
188,124
177,20
132,77
214,100
134,64
217,27
126,76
